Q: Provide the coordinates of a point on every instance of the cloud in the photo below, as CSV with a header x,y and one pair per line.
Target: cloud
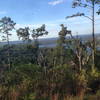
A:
x,y
54,3
3,12
28,25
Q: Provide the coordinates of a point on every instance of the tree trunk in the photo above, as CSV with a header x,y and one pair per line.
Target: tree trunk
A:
x,y
8,51
93,35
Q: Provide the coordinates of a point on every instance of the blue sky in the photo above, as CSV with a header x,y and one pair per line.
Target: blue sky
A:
x,y
34,13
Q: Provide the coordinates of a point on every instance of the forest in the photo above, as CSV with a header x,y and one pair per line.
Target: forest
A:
x,y
68,71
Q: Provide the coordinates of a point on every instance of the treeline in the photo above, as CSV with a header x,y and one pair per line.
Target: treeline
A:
x,y
69,71
28,72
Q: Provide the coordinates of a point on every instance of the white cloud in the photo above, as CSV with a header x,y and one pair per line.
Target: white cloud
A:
x,y
53,3
3,12
27,25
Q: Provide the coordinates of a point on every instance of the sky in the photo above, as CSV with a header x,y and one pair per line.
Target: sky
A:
x,y
34,13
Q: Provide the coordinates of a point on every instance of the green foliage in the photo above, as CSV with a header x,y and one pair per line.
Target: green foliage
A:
x,y
59,73
23,33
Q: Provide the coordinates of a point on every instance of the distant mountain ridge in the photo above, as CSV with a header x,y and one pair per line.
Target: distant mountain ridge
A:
x,y
52,41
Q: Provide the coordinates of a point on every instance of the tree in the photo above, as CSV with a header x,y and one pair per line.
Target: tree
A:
x,y
61,48
39,32
23,33
63,33
36,33
91,5
81,53
6,26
